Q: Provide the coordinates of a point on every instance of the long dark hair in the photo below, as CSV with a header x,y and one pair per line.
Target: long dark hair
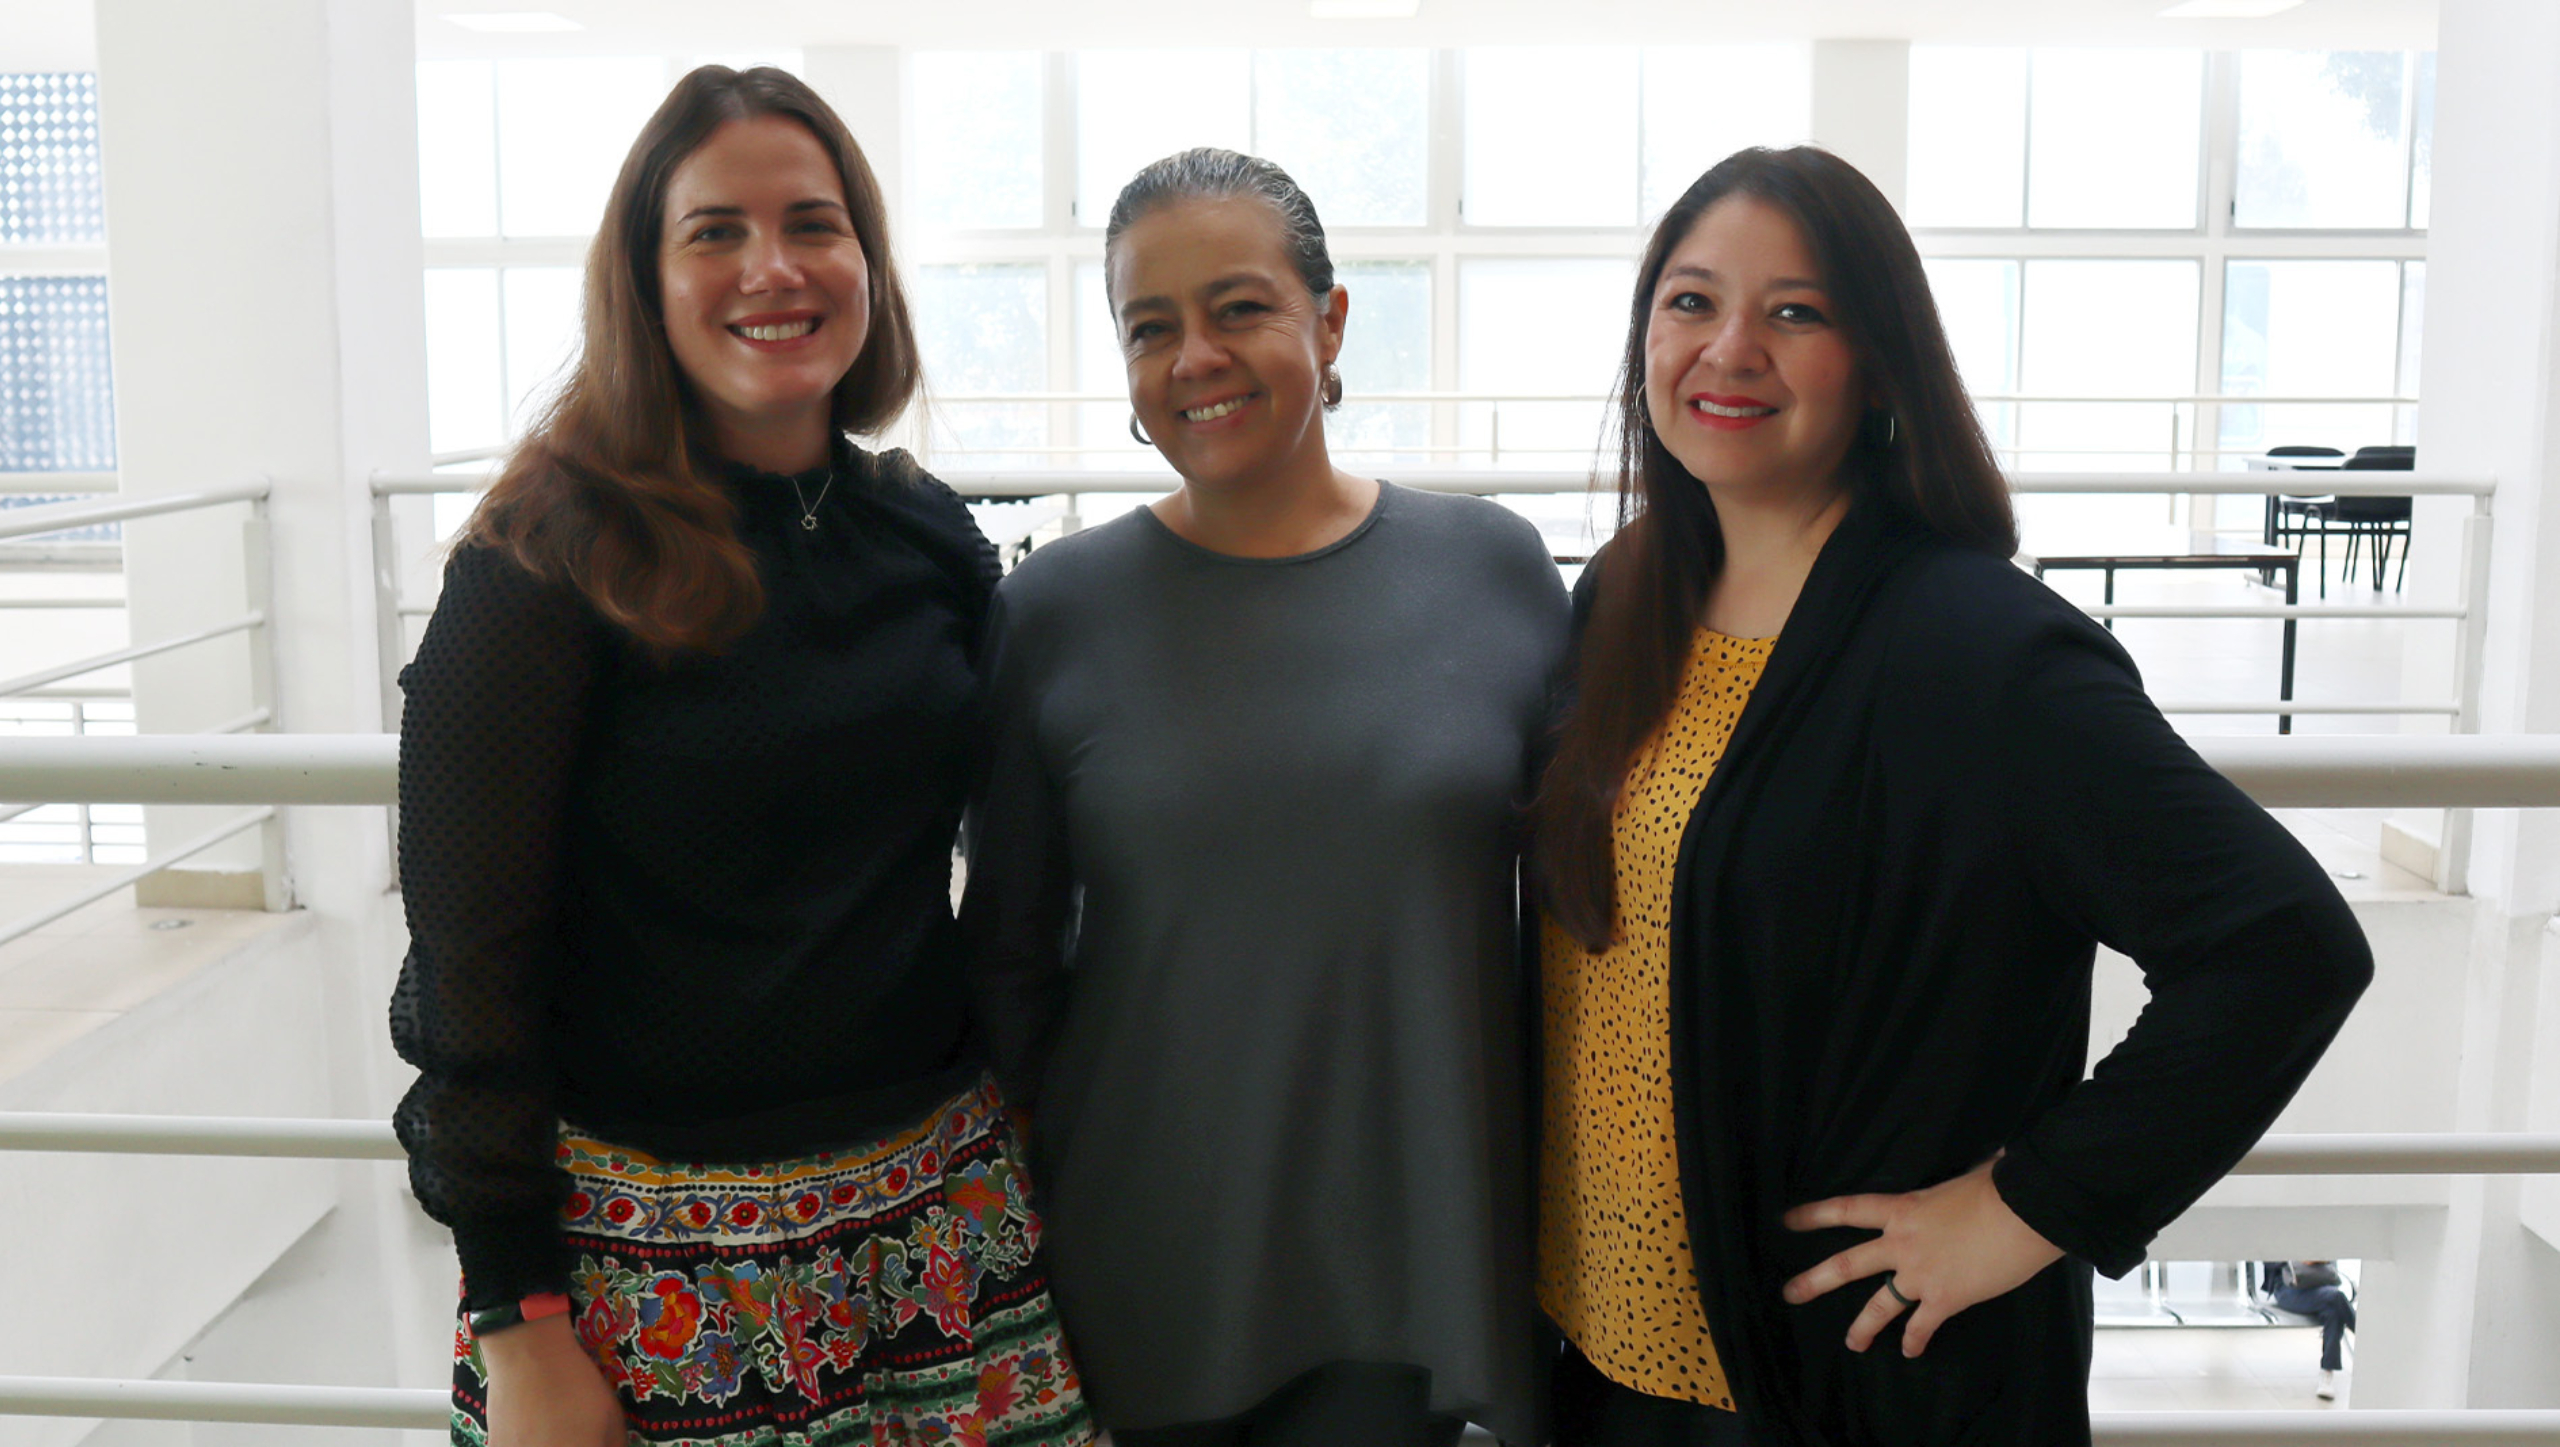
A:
x,y
605,492
1920,455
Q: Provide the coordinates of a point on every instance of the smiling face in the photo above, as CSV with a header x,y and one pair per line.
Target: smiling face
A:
x,y
763,287
1748,380
1226,350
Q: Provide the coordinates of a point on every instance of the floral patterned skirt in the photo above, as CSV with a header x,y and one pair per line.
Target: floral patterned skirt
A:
x,y
890,1295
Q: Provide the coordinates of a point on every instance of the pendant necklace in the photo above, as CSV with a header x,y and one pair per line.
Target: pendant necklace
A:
x,y
808,509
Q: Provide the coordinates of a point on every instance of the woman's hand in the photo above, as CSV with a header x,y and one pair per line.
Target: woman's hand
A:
x,y
545,1391
1948,1247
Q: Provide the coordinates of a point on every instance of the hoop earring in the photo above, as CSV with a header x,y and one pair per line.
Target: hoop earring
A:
x,y
1332,386
1892,427
1143,439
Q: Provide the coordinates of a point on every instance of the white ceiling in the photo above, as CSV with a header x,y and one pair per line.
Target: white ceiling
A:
x,y
57,34
696,27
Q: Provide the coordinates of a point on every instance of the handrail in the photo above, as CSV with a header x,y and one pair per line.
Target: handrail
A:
x,y
53,484
330,1139
2191,399
11,687
2474,1427
2364,771
201,769
30,522
199,1135
2404,1154
280,1406
1051,482
427,1409
2271,611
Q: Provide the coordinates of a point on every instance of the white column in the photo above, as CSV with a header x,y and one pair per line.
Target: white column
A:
x,y
264,269
2456,1320
866,86
1862,108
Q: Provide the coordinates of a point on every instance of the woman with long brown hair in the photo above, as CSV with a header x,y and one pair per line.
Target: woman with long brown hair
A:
x,y
681,769
1841,808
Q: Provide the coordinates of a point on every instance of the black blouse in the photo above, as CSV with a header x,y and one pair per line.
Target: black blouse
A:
x,y
700,908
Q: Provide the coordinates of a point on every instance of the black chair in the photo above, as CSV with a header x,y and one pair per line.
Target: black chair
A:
x,y
2296,516
2379,518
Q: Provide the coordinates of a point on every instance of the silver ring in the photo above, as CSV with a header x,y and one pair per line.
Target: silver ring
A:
x,y
1896,1292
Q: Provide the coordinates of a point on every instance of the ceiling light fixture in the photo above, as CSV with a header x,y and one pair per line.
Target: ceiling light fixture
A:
x,y
1363,9
516,22
2226,9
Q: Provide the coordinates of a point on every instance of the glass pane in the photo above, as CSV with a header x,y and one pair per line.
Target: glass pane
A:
x,y
977,148
984,330
1386,347
563,129
2112,138
1702,103
542,335
1551,136
466,376
1353,127
1968,136
457,148
2422,145
1538,326
1978,306
1137,106
1102,428
2309,329
2103,330
2321,139
57,376
50,188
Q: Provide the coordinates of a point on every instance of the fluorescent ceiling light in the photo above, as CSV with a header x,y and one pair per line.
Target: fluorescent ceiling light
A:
x,y
516,22
2226,9
1363,9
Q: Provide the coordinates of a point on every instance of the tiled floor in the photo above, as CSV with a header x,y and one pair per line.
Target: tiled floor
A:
x,y
86,969
2198,1369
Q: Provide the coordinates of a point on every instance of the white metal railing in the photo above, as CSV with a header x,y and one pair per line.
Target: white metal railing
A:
x,y
425,1409
2347,771
360,769
2405,1154
53,518
2468,616
55,484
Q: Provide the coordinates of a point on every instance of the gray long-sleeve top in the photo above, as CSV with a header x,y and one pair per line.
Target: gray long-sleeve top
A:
x,y
1242,913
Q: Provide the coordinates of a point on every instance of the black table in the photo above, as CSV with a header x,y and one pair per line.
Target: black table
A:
x,y
2178,548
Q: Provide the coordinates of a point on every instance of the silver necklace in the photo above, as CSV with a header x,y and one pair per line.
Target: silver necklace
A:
x,y
808,509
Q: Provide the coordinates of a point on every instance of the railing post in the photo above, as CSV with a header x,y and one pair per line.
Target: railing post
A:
x,y
2453,857
257,557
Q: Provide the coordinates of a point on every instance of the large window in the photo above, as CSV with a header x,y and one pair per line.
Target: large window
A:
x,y
2107,273
2107,282
57,395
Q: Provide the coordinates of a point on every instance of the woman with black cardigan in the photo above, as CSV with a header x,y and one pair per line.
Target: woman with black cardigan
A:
x,y
680,775
1840,810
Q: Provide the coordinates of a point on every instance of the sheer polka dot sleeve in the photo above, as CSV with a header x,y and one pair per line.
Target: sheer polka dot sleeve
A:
x,y
495,708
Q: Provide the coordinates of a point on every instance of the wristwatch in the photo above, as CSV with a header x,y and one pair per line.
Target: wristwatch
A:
x,y
516,1313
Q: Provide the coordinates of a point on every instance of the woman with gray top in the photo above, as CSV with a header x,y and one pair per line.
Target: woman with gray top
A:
x,y
1241,903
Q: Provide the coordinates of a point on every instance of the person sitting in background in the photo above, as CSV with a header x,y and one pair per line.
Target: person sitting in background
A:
x,y
2315,1289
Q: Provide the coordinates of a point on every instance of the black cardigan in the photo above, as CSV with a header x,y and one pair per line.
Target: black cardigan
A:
x,y
1946,790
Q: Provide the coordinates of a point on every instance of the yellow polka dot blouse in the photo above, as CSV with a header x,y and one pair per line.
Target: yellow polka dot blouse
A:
x,y
1613,1240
